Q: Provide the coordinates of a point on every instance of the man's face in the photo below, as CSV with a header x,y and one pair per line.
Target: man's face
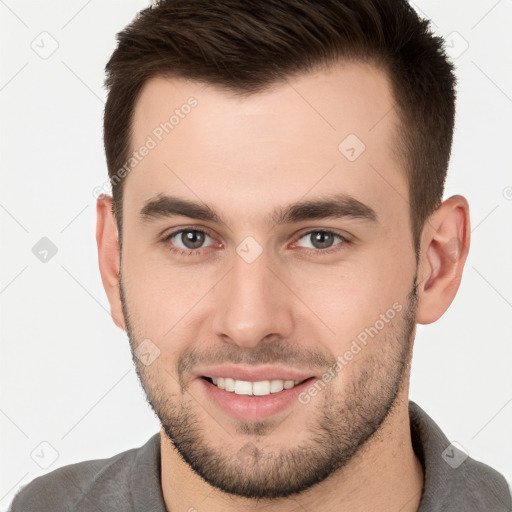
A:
x,y
244,297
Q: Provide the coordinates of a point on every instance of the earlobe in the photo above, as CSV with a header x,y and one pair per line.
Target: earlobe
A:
x,y
445,246
109,256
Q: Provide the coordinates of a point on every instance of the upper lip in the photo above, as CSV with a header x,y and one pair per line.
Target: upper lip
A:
x,y
253,374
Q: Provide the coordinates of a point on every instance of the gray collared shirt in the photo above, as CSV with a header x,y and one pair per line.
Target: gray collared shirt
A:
x,y
130,481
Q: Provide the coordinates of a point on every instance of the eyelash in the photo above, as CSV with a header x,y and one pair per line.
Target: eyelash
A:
x,y
198,252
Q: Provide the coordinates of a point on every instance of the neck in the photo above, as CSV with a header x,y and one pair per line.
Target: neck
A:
x,y
384,475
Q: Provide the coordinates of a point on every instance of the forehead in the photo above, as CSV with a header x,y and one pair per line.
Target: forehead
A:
x,y
332,130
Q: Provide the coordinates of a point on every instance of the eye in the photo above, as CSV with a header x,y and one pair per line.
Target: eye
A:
x,y
187,241
190,242
322,240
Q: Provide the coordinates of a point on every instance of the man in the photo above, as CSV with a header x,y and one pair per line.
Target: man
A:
x,y
275,233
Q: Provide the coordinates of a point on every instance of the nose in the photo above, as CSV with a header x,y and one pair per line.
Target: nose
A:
x,y
252,303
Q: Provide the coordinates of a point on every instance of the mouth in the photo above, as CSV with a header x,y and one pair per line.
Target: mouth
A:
x,y
259,388
254,400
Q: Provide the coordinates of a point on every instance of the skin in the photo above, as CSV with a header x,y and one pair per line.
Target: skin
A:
x,y
244,157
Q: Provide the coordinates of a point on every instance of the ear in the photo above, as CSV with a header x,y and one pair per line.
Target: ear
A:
x,y
444,248
107,238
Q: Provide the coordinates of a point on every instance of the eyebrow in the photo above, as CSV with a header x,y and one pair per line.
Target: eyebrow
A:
x,y
333,206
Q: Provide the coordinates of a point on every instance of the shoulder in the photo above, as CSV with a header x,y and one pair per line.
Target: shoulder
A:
x,y
84,486
452,479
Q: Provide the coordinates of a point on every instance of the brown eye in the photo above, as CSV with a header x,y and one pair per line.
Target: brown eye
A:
x,y
188,239
322,240
192,239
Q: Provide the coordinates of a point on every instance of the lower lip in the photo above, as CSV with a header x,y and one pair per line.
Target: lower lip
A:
x,y
251,407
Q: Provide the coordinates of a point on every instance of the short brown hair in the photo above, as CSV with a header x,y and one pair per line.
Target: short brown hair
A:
x,y
245,47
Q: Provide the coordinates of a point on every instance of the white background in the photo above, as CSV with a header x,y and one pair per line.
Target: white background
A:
x,y
66,370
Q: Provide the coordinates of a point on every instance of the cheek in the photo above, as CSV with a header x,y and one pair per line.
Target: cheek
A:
x,y
162,297
363,295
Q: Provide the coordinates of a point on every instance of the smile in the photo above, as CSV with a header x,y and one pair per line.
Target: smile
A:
x,y
260,388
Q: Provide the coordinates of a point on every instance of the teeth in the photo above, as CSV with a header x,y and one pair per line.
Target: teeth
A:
x,y
242,387
261,388
276,386
229,384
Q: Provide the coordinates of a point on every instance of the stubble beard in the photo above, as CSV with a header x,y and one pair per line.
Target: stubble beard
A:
x,y
334,433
